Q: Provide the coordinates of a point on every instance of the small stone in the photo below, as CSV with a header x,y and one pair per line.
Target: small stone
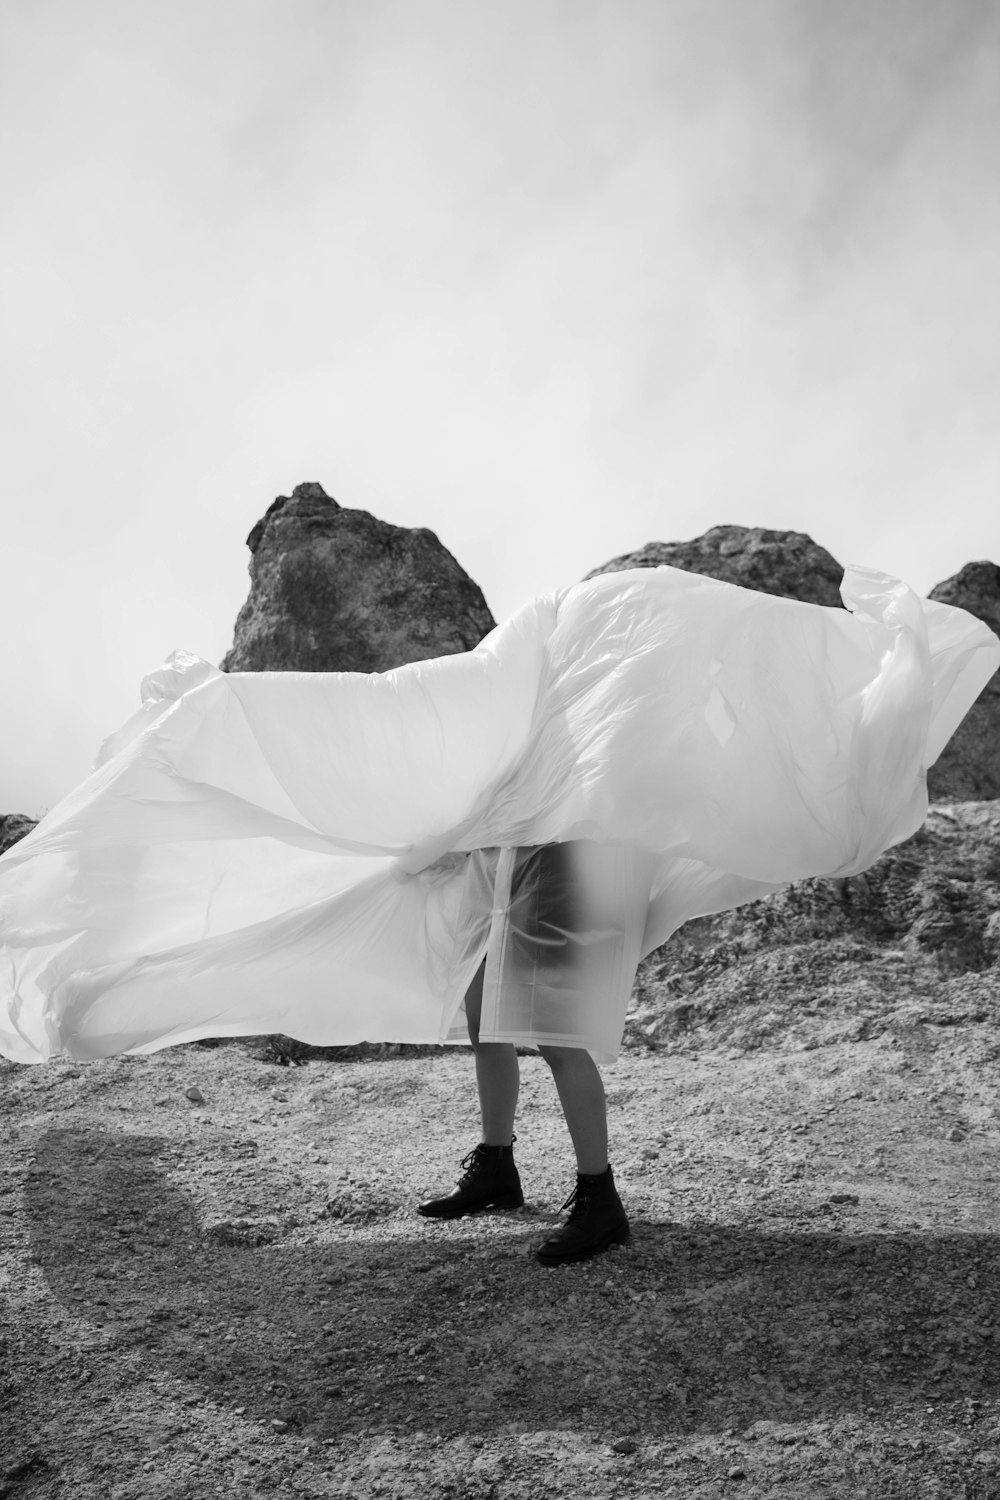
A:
x,y
843,1197
194,1094
278,1425
624,1445
736,1472
987,1460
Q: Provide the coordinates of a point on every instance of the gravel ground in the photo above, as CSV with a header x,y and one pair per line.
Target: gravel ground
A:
x,y
214,1283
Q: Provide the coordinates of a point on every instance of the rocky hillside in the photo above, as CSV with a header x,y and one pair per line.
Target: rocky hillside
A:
x,y
337,590
913,941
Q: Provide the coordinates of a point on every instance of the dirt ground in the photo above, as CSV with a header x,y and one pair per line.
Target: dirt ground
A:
x,y
230,1294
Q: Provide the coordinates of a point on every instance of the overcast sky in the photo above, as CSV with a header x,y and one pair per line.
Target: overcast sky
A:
x,y
552,279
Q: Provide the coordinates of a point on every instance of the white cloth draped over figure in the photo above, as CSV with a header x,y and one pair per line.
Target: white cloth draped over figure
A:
x,y
330,855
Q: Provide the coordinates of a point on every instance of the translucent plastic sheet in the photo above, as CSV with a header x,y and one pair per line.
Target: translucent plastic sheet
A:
x,y
564,938
310,853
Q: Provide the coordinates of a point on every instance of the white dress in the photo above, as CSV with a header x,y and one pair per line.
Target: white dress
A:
x,y
331,855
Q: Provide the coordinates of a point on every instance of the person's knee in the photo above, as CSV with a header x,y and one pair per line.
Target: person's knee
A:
x,y
572,1067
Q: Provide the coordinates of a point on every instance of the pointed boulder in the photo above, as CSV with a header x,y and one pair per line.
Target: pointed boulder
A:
x,y
337,590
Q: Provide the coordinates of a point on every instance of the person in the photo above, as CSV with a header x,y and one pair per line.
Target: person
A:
x,y
480,846
555,912
597,1220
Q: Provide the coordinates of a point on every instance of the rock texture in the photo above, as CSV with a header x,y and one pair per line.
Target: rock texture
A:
x,y
14,826
970,763
787,563
913,941
334,590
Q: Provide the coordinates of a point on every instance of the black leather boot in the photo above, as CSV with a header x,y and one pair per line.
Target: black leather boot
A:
x,y
597,1221
490,1180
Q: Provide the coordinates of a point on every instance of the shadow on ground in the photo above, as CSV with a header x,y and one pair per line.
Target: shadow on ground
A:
x,y
705,1327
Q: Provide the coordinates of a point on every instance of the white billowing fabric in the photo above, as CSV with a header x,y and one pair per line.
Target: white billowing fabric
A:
x,y
566,923
330,855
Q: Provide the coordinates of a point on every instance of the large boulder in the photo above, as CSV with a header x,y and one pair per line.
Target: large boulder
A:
x,y
337,590
14,826
787,563
970,763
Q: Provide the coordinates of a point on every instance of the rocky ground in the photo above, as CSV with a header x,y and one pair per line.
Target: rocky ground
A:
x,y
214,1282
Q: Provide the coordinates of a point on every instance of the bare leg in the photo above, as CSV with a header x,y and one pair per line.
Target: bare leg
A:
x,y
498,1076
581,1094
491,1179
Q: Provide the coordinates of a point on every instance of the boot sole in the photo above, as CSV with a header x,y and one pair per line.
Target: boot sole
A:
x,y
503,1201
618,1236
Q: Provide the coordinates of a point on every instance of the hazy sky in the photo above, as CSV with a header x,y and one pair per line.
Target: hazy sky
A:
x,y
553,279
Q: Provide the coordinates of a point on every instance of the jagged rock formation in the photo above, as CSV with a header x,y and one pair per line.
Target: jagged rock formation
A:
x,y
787,563
970,763
14,826
913,942
337,590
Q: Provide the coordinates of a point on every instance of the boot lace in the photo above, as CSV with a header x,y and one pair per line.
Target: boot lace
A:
x,y
577,1201
473,1164
477,1160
